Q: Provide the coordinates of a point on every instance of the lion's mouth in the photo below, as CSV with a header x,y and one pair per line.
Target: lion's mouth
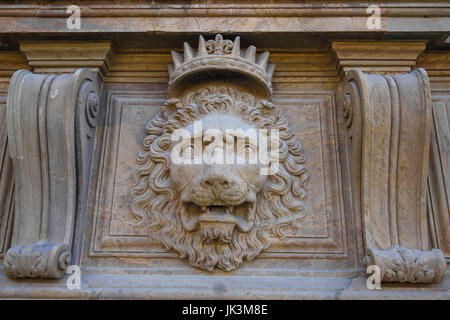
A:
x,y
242,215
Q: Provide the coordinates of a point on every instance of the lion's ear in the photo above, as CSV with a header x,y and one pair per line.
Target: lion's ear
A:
x,y
171,106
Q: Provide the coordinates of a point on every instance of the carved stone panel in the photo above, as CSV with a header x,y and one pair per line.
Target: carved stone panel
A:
x,y
218,215
320,233
6,185
439,173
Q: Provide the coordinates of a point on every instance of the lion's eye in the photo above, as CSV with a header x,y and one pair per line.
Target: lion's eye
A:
x,y
247,149
187,151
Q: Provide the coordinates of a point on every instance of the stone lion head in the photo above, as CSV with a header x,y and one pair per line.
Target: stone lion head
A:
x,y
218,215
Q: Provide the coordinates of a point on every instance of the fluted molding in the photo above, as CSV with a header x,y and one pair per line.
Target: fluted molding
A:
x,y
51,126
388,120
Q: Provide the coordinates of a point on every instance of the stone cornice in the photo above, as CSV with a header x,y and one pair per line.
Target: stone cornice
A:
x,y
310,9
226,17
386,57
67,56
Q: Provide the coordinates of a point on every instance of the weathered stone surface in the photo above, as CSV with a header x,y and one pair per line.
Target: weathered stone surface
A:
x,y
365,179
205,17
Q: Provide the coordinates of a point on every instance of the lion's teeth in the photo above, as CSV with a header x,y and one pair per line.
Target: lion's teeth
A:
x,y
230,210
203,208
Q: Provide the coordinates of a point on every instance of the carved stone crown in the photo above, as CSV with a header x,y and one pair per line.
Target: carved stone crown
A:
x,y
221,55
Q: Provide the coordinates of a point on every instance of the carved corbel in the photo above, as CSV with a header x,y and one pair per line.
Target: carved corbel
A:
x,y
388,121
51,126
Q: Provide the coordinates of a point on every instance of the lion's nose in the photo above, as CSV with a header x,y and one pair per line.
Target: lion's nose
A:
x,y
217,182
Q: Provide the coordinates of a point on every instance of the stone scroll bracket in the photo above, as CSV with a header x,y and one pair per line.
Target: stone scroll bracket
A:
x,y
388,120
11,61
51,126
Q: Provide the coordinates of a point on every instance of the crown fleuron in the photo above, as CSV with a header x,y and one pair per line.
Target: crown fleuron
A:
x,y
221,55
